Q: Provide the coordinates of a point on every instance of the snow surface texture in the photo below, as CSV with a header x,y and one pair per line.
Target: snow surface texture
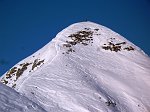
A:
x,y
11,101
85,68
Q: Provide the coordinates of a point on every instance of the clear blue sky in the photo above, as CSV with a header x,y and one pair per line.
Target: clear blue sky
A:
x,y
27,25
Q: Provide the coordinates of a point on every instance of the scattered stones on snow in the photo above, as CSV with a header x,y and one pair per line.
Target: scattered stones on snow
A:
x,y
37,63
84,37
117,46
14,73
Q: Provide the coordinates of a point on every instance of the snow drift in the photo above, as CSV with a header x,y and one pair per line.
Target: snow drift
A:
x,y
11,101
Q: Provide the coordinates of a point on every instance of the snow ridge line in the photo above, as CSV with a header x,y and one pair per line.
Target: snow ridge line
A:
x,y
56,40
57,50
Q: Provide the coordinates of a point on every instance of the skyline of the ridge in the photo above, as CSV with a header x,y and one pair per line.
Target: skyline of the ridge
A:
x,y
26,26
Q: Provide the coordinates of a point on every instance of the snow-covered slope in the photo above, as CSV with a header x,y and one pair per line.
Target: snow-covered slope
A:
x,y
11,101
85,68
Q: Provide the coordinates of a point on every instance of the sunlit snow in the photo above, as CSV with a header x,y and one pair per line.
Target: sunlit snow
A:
x,y
85,68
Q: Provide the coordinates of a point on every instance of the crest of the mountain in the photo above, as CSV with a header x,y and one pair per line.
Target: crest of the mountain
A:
x,y
85,68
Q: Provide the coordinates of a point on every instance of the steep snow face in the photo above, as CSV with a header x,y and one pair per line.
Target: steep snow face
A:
x,y
85,68
11,101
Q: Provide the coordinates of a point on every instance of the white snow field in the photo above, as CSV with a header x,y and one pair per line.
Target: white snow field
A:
x,y
85,68
11,101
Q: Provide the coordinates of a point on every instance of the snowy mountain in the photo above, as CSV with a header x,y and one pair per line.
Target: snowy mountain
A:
x,y
11,101
85,68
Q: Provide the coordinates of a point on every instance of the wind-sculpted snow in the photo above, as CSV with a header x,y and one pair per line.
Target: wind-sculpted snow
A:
x,y
86,68
11,101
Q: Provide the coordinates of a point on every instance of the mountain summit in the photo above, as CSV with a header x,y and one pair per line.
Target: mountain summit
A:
x,y
85,68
